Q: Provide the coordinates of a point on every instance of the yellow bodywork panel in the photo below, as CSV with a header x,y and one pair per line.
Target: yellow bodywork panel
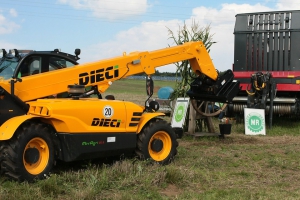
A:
x,y
90,115
9,127
102,73
146,117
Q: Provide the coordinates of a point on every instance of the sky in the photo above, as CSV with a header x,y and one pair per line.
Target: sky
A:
x,y
106,28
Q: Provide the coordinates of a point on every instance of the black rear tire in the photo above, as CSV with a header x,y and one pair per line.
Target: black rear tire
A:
x,y
157,141
29,154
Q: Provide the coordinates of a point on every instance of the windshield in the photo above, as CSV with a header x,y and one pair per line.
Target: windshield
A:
x,y
7,67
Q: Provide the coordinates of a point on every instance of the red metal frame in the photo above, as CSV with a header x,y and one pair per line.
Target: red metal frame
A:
x,y
275,74
280,87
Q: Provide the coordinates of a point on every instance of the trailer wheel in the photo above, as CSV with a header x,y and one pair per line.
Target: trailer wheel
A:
x,y
157,141
202,107
29,154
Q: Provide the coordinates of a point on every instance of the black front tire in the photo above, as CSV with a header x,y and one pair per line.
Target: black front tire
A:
x,y
29,154
157,141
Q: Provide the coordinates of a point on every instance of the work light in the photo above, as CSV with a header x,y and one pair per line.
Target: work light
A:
x,y
14,52
2,53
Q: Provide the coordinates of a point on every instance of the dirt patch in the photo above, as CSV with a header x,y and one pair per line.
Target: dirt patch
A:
x,y
171,191
155,89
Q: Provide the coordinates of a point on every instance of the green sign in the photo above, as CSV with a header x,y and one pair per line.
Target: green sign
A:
x,y
179,113
254,121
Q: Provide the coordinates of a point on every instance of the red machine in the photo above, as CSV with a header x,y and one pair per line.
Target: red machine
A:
x,y
267,62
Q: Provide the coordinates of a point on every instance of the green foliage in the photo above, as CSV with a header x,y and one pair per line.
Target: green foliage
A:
x,y
173,175
183,35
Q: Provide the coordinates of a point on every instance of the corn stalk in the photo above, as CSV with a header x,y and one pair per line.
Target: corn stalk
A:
x,y
185,34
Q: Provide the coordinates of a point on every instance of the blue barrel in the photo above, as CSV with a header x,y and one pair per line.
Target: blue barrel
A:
x,y
165,92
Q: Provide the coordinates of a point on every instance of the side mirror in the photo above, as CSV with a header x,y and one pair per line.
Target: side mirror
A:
x,y
77,53
149,85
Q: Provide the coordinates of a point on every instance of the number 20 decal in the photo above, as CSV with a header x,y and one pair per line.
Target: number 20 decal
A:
x,y
108,111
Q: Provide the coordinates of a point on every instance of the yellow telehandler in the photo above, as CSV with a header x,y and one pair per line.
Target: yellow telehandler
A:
x,y
37,130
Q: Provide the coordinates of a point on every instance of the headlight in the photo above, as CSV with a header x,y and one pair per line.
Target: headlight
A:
x,y
2,53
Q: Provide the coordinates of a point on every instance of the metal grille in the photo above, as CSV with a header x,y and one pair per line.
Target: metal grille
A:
x,y
266,41
135,119
267,52
269,21
268,48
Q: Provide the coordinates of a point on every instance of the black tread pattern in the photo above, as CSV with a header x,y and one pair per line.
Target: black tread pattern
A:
x,y
146,133
11,152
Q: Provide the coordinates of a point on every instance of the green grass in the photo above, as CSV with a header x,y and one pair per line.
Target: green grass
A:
x,y
237,167
136,86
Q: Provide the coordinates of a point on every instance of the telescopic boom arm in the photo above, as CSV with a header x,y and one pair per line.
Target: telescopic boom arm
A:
x,y
102,73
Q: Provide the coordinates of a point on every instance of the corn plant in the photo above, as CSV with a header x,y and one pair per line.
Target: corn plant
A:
x,y
188,34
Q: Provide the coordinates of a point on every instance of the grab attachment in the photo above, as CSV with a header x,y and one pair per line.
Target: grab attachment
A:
x,y
224,89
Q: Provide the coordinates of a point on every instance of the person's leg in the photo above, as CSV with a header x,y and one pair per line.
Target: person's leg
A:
x,y
221,115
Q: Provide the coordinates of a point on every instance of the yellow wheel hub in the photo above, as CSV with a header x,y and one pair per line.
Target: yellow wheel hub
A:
x,y
36,156
160,145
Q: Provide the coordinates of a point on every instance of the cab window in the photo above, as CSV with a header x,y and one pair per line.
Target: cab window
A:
x,y
31,65
59,63
35,66
42,63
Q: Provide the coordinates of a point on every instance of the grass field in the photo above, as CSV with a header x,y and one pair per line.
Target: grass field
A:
x,y
135,90
237,167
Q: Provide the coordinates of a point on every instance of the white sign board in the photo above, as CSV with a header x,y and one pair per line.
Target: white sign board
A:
x,y
254,121
179,113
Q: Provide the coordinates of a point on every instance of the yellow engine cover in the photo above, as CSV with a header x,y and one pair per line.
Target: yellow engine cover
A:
x,y
91,115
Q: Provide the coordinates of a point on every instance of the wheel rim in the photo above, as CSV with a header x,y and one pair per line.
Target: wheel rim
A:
x,y
164,149
36,147
201,107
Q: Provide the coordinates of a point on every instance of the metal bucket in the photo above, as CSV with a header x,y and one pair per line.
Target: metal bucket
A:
x,y
225,129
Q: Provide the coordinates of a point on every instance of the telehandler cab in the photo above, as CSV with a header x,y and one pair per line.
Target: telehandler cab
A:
x,y
36,130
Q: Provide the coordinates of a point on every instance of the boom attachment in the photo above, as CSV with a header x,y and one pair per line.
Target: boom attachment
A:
x,y
103,73
223,89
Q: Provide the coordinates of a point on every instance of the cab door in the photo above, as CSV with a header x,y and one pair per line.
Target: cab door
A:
x,y
32,71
